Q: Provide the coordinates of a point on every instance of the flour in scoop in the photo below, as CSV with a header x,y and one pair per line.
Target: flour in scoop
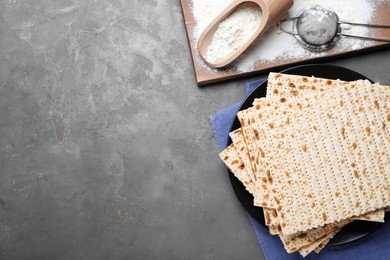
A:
x,y
234,31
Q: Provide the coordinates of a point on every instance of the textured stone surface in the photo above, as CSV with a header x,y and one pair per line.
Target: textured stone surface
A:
x,y
105,146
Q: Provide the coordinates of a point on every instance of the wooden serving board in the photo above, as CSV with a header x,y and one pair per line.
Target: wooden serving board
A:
x,y
206,75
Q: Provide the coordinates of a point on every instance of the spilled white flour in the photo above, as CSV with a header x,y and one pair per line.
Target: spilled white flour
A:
x,y
234,31
276,45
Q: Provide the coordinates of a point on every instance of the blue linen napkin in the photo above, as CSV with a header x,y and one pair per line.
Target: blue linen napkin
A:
x,y
374,246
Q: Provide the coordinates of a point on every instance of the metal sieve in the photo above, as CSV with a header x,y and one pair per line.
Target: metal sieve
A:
x,y
318,28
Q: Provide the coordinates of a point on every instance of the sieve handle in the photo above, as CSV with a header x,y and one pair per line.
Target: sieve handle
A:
x,y
287,20
366,25
364,38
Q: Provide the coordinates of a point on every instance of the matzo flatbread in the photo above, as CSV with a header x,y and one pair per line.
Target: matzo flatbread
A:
x,y
275,230
233,161
293,243
324,243
338,197
237,137
375,216
325,145
290,85
284,85
304,251
271,217
242,150
263,187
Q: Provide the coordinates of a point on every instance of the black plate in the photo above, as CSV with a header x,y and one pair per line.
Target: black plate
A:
x,y
352,231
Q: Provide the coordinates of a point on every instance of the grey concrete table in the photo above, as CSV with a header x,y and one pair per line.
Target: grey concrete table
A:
x,y
105,146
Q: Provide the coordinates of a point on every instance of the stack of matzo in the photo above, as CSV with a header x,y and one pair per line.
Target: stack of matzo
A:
x,y
314,153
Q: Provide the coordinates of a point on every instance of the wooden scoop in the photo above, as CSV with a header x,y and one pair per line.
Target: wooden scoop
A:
x,y
271,11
